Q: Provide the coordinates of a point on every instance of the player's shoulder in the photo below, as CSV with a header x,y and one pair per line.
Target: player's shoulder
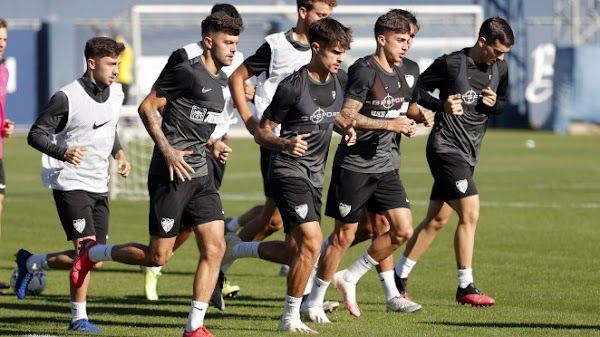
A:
x,y
342,77
410,67
502,67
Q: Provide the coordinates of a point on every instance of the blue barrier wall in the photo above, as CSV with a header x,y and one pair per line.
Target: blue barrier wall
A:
x,y
22,103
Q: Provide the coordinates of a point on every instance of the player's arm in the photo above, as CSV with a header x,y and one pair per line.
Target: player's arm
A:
x,y
237,83
494,102
285,97
52,120
123,165
219,149
149,113
266,138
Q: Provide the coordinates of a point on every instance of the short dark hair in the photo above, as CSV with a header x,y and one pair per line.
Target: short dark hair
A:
x,y
329,32
101,46
222,22
3,23
227,9
396,20
308,4
496,28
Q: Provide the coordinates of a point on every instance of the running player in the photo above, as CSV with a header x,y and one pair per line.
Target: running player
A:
x,y
77,132
189,94
473,84
379,98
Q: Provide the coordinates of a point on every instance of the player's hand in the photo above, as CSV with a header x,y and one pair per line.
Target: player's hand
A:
x,y
426,116
177,165
249,90
403,125
297,145
350,134
9,127
221,151
74,156
123,167
453,105
251,125
489,97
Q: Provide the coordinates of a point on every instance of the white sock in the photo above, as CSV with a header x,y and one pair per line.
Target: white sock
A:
x,y
465,277
155,270
196,317
317,293
404,266
78,311
292,308
246,249
233,225
310,281
389,284
359,267
100,253
37,262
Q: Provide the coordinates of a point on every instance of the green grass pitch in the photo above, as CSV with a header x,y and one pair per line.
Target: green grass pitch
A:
x,y
537,253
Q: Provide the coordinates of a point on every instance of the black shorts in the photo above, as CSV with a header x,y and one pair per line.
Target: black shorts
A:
x,y
452,176
191,202
2,177
83,214
349,191
297,199
215,168
265,162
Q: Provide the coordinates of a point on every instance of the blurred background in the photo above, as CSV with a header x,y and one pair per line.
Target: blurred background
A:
x,y
552,65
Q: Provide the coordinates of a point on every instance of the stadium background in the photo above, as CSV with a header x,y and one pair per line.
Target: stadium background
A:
x,y
47,37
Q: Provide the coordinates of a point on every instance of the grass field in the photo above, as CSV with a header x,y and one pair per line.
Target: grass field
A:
x,y
537,253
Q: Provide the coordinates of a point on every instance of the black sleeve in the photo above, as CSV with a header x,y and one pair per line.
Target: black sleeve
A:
x,y
361,78
260,61
285,97
175,81
432,78
503,90
52,120
116,145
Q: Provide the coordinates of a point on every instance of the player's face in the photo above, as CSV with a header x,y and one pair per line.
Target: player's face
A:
x,y
395,45
331,58
492,52
319,11
223,48
104,70
3,40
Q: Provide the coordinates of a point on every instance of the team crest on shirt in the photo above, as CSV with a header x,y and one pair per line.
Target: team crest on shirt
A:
x,y
197,113
344,209
462,185
301,210
79,225
410,80
167,224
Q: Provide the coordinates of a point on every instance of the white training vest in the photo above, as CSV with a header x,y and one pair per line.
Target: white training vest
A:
x,y
90,125
285,60
229,111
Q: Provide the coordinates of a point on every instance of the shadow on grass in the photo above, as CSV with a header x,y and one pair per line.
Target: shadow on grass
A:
x,y
557,326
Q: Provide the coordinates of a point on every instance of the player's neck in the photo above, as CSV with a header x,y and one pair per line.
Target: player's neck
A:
x,y
383,62
300,33
317,73
210,64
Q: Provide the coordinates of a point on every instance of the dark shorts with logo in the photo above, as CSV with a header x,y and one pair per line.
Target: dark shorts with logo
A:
x,y
452,176
191,202
265,162
297,199
83,214
350,191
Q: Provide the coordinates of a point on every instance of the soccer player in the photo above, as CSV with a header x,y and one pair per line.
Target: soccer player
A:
x,y
216,165
381,99
305,105
7,125
473,84
77,132
280,55
189,96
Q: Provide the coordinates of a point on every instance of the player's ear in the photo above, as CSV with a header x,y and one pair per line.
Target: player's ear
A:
x,y
482,41
207,42
302,12
91,64
381,40
315,47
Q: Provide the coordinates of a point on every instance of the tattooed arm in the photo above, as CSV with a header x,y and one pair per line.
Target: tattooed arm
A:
x,y
351,114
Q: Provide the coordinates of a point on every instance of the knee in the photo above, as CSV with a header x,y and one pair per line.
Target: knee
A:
x,y
275,224
214,250
470,217
401,235
158,259
437,223
343,239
